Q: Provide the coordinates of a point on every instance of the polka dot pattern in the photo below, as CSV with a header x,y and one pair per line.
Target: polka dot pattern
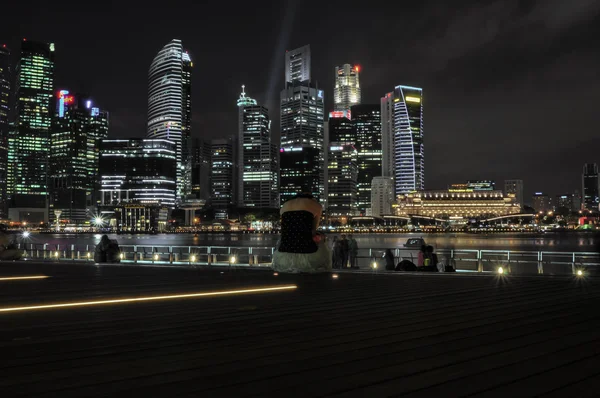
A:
x,y
296,232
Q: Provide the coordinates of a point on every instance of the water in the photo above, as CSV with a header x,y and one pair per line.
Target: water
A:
x,y
566,242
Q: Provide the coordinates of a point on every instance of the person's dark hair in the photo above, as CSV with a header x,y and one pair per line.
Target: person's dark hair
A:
x,y
388,253
423,248
429,249
105,239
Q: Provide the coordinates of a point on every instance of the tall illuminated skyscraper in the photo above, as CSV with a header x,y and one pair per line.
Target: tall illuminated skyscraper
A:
x,y
402,138
366,119
74,156
257,158
29,142
4,125
346,92
302,129
170,106
590,186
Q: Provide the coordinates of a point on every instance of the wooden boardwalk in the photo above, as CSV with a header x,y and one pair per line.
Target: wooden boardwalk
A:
x,y
361,335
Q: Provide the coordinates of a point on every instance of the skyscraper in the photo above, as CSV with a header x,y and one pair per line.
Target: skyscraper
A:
x,y
257,158
589,182
346,92
224,172
170,106
514,187
302,134
341,180
29,141
74,155
382,196
402,138
541,202
367,127
297,65
4,126
201,154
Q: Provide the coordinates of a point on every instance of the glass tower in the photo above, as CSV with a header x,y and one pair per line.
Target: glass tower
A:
x,y
402,138
346,92
170,106
4,125
30,139
589,182
367,127
257,160
74,147
302,130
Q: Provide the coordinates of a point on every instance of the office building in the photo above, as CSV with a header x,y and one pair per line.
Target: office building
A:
x,y
170,106
402,138
382,196
77,129
297,65
340,129
346,92
541,202
576,201
589,182
5,78
201,155
457,204
514,187
139,172
224,172
342,172
29,141
302,130
257,157
367,130
564,201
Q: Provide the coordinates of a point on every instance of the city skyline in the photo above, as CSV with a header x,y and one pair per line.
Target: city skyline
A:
x,y
479,111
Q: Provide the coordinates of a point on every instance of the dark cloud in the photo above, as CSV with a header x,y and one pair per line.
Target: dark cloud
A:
x,y
511,86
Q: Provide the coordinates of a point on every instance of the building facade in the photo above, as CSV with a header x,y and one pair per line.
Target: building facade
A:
x,y
589,186
201,154
541,202
457,204
382,196
346,92
366,120
77,130
515,187
342,171
170,106
139,172
29,141
257,157
224,172
5,78
302,130
402,138
297,65
564,201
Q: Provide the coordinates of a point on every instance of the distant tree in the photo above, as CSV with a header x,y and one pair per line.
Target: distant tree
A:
x,y
563,211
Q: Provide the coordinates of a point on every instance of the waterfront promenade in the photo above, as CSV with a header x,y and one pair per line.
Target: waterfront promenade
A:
x,y
211,332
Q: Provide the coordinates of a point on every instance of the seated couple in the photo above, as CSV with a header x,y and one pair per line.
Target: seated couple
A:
x,y
300,249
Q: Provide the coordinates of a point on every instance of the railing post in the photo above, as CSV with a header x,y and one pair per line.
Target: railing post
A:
x,y
540,263
573,266
45,247
479,261
208,256
72,252
170,254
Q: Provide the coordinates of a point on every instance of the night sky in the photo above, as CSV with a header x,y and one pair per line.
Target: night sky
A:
x,y
511,88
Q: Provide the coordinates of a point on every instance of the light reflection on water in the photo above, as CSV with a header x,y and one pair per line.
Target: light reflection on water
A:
x,y
550,241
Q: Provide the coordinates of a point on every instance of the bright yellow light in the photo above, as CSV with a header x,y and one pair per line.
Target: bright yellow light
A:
x,y
275,273
374,265
335,276
232,259
56,254
193,258
150,298
579,272
18,278
88,255
155,257
121,256
412,99
500,270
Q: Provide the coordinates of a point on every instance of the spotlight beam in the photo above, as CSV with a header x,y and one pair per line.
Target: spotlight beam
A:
x,y
20,278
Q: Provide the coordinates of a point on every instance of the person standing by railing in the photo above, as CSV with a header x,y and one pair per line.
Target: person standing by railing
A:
x,y
353,252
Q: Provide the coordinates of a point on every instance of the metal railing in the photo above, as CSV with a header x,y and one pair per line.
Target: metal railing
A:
x,y
468,260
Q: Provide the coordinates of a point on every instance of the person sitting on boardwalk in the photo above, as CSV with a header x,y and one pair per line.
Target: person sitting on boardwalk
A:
x,y
430,261
107,251
300,250
389,260
8,249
